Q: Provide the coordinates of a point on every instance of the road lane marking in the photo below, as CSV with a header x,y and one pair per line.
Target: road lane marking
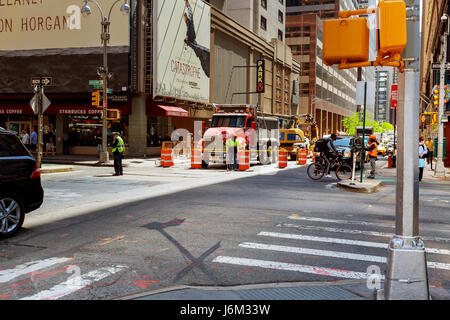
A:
x,y
352,222
333,254
28,267
75,284
292,267
314,252
353,231
342,241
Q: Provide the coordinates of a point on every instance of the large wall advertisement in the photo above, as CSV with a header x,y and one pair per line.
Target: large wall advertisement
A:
x,y
52,38
181,51
49,24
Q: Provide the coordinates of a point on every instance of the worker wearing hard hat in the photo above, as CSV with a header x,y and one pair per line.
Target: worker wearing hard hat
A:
x,y
373,155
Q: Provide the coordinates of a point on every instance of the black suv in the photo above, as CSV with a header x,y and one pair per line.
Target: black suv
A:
x,y
20,184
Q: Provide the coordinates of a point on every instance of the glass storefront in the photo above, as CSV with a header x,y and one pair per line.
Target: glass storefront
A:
x,y
157,128
86,130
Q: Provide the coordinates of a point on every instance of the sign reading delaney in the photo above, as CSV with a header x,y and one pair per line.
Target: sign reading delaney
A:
x,y
260,76
181,52
56,24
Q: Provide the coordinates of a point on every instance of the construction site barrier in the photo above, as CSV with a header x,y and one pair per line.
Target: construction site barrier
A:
x,y
283,159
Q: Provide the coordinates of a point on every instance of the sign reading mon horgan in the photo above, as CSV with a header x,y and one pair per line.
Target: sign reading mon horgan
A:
x,y
181,51
57,24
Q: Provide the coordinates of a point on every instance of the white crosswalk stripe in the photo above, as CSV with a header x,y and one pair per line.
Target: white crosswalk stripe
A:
x,y
338,255
26,268
74,282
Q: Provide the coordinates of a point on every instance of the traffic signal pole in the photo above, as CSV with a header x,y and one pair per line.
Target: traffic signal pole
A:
x,y
406,277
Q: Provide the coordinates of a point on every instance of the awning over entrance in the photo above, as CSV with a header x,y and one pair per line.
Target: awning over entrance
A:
x,y
160,110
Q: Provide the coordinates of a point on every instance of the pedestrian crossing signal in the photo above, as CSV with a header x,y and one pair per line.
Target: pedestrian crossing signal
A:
x,y
96,99
113,115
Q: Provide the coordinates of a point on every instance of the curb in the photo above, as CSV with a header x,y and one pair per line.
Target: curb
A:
x,y
360,189
280,285
56,170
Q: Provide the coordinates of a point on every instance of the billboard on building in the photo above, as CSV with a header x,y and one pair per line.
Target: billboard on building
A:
x,y
181,49
50,24
53,38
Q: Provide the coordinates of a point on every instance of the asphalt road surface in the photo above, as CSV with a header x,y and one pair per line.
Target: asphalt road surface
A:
x,y
103,237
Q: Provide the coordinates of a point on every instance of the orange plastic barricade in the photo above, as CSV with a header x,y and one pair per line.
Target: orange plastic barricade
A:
x,y
196,159
244,160
283,159
166,157
301,157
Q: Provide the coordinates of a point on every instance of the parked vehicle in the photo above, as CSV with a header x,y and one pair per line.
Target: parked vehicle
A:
x,y
20,184
297,133
258,133
348,145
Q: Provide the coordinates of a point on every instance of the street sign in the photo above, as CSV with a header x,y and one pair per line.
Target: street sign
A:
x,y
260,76
46,81
95,82
437,66
35,100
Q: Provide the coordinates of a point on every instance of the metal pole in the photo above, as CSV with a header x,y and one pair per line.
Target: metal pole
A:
x,y
104,155
440,169
363,151
40,126
406,277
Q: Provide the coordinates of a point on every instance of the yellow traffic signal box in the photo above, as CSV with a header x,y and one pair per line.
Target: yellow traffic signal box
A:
x,y
392,36
96,99
345,40
113,114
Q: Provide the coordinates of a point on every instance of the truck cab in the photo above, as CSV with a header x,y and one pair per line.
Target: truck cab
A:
x,y
241,121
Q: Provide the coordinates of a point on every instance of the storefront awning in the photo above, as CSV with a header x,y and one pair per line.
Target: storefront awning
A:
x,y
158,110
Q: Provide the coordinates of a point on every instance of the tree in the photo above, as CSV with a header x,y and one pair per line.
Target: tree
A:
x,y
350,124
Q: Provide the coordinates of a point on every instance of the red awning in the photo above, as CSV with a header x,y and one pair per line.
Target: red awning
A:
x,y
158,110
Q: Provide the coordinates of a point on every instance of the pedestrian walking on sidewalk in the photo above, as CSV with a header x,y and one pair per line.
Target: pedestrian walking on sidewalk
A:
x,y
430,147
118,152
373,155
423,151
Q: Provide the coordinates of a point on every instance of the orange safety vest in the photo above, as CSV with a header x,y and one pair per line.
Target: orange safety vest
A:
x,y
374,152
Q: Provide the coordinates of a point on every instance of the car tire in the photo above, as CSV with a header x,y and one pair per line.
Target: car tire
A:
x,y
204,165
10,225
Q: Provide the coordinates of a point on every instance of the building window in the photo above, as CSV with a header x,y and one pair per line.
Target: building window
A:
x,y
264,4
263,23
280,35
280,16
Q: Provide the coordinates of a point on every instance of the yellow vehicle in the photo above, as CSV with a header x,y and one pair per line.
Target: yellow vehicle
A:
x,y
292,133
382,149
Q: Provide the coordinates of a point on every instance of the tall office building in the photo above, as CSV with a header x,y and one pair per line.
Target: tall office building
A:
x,y
266,18
326,92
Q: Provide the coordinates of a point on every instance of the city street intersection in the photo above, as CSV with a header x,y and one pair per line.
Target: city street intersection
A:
x,y
103,237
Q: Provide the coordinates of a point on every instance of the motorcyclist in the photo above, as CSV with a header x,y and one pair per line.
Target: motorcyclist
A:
x,y
330,153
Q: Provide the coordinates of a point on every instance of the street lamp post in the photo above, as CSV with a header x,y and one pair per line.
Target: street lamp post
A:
x,y
440,169
105,36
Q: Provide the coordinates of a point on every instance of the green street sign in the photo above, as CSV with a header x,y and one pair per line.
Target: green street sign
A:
x,y
109,91
95,82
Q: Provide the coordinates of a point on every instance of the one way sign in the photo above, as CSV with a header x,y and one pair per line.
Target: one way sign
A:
x,y
46,81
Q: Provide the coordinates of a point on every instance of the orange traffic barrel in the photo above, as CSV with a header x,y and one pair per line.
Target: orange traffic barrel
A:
x,y
166,157
283,159
301,157
196,159
244,160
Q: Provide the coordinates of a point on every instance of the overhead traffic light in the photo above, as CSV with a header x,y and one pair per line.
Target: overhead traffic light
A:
x,y
96,98
436,96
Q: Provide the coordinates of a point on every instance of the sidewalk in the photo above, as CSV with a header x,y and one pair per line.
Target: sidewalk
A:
x,y
428,174
92,161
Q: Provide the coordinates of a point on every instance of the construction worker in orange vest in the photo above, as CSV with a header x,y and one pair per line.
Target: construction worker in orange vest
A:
x,y
373,155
